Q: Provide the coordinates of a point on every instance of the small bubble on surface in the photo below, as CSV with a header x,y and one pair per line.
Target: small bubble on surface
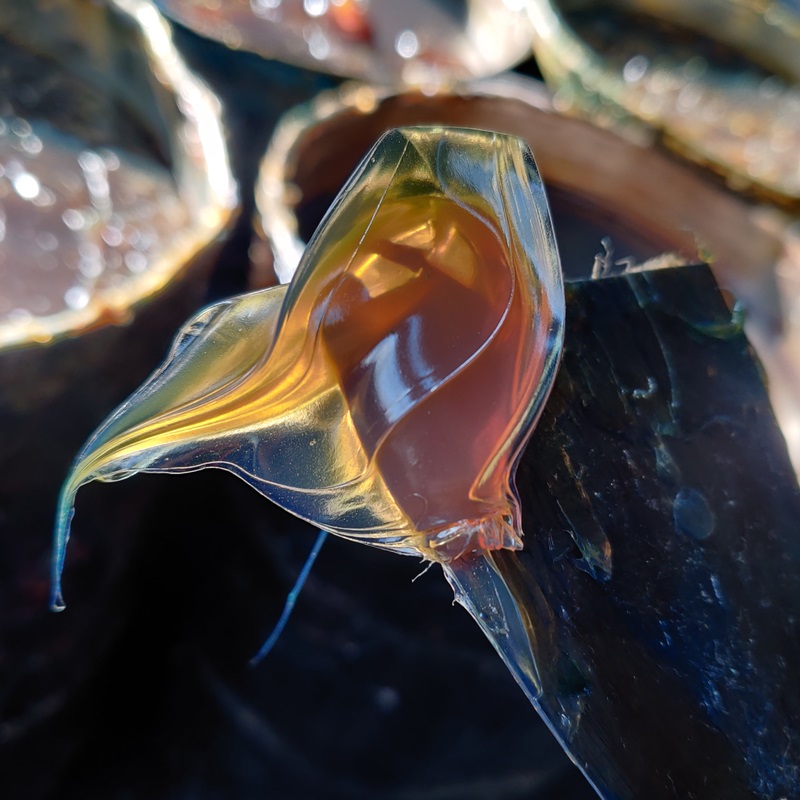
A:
x,y
20,315
27,186
32,144
111,160
407,44
635,69
318,45
135,261
387,699
76,297
315,8
21,128
46,241
90,161
264,7
74,219
44,198
692,515
112,236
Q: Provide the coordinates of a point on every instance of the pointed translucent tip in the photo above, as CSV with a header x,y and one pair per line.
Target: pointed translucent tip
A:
x,y
482,590
66,511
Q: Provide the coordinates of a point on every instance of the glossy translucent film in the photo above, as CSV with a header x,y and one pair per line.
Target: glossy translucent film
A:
x,y
384,394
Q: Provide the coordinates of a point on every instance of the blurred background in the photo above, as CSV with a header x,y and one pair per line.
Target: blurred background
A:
x,y
131,195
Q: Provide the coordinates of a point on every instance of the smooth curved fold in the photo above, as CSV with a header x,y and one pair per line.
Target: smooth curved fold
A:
x,y
385,394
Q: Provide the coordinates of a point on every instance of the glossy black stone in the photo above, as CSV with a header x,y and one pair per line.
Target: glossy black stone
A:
x,y
661,564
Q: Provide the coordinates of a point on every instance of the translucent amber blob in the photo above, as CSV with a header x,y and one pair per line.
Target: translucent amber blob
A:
x,y
385,393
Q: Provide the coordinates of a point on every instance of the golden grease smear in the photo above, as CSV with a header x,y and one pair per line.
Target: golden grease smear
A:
x,y
384,394
75,222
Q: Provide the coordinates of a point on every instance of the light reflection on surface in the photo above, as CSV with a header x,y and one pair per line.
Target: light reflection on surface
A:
x,y
76,221
718,78
418,41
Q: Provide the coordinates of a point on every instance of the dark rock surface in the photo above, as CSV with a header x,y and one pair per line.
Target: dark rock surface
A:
x,y
661,563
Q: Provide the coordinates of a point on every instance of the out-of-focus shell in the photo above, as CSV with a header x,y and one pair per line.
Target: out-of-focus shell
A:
x,y
413,41
718,78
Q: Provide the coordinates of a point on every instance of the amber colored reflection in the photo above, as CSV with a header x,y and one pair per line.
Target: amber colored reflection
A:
x,y
416,310
385,393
